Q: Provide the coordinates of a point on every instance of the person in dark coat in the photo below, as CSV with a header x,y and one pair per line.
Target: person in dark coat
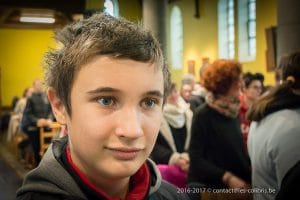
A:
x,y
37,114
217,156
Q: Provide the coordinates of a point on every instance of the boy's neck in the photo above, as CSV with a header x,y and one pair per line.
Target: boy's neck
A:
x,y
113,188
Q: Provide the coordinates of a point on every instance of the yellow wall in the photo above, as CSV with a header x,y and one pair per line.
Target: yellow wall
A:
x,y
200,35
94,4
131,10
21,59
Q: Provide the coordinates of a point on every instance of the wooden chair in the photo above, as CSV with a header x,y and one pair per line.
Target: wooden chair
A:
x,y
46,136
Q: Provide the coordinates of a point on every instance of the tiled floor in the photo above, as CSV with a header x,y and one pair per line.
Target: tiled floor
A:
x,y
12,171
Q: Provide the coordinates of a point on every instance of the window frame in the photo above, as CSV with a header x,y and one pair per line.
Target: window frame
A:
x,y
176,36
226,29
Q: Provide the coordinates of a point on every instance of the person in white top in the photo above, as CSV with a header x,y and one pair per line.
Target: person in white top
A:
x,y
273,141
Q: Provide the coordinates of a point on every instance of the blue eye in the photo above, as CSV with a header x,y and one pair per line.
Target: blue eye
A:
x,y
105,101
150,103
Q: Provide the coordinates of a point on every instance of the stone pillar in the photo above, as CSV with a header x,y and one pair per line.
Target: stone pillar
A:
x,y
288,26
154,18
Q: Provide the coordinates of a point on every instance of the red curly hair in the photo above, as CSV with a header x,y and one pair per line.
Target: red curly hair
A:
x,y
221,75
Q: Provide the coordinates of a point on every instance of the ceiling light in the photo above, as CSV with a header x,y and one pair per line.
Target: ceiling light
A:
x,y
37,16
48,20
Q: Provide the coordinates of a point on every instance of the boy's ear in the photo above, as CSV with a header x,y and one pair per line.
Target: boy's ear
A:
x,y
58,108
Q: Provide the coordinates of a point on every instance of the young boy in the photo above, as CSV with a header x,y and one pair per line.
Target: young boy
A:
x,y
107,84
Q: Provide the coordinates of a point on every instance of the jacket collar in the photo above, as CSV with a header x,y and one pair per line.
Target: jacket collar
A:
x,y
50,176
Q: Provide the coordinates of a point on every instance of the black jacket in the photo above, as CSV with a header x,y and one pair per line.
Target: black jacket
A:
x,y
216,146
50,180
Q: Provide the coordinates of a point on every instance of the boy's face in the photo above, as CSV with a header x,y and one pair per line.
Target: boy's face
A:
x,y
116,115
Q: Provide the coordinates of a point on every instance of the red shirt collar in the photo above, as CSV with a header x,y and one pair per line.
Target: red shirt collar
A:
x,y
139,182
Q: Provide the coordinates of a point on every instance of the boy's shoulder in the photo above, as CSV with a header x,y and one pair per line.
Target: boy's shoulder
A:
x,y
168,191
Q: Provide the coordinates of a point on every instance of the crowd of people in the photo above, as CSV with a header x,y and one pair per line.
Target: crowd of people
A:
x,y
223,132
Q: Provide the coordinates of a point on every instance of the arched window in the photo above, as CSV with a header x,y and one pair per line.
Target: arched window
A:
x,y
176,38
111,7
226,30
247,30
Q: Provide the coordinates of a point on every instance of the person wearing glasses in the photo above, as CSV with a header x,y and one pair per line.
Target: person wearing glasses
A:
x,y
251,91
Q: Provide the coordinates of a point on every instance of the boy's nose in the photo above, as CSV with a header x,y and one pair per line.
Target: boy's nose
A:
x,y
129,124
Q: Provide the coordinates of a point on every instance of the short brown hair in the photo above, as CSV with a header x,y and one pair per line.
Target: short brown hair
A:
x,y
100,34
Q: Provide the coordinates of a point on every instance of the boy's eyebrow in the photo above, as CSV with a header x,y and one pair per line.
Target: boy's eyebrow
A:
x,y
155,93
109,89
103,89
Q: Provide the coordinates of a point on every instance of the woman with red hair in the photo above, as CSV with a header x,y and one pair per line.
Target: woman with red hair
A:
x,y
217,156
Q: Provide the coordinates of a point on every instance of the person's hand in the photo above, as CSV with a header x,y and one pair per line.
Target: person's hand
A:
x,y
236,182
41,122
233,181
49,122
183,164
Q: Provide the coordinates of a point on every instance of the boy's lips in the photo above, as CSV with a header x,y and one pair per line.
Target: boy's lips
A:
x,y
124,153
